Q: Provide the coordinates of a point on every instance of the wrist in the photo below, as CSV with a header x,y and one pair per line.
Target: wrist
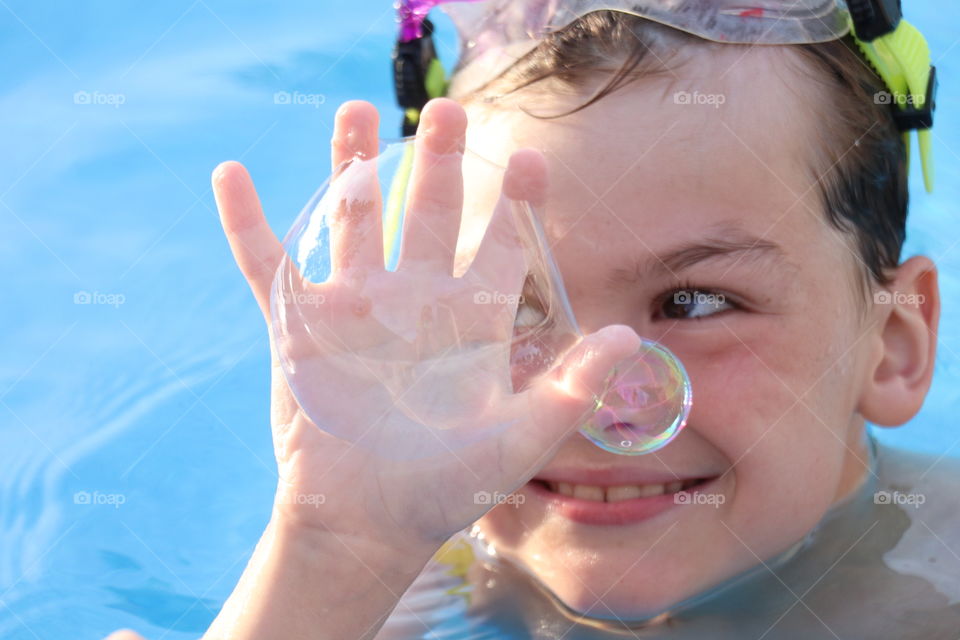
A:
x,y
350,545
305,582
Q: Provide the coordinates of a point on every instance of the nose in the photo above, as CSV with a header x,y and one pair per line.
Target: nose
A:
x,y
645,404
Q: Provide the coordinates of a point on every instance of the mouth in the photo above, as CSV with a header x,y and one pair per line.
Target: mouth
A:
x,y
617,504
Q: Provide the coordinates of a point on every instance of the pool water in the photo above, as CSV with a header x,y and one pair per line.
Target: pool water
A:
x,y
136,468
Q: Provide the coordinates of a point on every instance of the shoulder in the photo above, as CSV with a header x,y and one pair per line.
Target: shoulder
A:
x,y
924,487
915,471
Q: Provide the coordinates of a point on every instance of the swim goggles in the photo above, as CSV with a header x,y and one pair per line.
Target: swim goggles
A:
x,y
498,32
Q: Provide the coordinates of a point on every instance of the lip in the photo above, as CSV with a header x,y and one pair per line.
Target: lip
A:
x,y
606,477
620,513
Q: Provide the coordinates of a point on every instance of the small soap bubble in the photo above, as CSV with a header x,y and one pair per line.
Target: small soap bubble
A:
x,y
645,404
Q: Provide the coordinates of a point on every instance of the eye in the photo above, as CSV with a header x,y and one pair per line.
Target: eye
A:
x,y
691,303
528,316
530,311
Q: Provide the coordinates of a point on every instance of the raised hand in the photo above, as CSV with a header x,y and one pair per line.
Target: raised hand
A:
x,y
357,485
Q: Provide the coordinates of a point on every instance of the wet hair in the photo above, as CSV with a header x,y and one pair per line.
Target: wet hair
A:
x,y
859,164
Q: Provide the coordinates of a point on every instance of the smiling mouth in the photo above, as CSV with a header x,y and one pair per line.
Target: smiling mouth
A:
x,y
618,493
617,504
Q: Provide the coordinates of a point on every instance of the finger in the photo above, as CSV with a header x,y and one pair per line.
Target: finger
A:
x,y
525,179
255,247
563,399
434,204
356,222
354,132
501,262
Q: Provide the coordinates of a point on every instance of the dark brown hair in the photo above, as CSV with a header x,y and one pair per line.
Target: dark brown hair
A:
x,y
859,163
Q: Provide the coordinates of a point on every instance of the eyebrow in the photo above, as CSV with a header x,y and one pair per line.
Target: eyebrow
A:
x,y
729,243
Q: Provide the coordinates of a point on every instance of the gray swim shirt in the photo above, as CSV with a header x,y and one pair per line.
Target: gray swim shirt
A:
x,y
883,564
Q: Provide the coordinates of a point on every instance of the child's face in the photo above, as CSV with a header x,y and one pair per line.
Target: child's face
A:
x,y
776,369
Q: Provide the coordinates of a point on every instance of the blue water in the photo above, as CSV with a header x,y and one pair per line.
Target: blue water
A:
x,y
136,468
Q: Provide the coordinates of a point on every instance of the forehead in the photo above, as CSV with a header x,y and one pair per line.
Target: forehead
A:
x,y
724,139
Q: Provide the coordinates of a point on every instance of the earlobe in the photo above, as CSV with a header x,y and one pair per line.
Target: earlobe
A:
x,y
909,312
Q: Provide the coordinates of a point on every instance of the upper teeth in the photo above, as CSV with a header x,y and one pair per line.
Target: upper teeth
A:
x,y
617,493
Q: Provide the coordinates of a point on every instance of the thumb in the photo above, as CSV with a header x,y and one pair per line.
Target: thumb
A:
x,y
560,402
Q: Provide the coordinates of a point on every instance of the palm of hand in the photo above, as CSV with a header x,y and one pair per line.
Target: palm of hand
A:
x,y
350,487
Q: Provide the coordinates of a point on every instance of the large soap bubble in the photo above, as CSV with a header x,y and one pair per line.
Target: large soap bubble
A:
x,y
410,359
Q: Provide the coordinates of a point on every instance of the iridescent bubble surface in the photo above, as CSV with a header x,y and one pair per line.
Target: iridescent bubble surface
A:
x,y
646,403
413,356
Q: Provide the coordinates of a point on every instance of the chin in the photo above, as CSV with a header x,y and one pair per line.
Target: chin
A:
x,y
620,603
613,589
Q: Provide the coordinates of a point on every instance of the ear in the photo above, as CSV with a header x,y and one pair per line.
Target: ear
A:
x,y
902,367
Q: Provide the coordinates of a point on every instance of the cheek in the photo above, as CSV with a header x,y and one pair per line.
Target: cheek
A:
x,y
766,396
